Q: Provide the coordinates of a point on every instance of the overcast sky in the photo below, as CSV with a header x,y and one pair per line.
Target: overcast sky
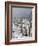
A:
x,y
16,11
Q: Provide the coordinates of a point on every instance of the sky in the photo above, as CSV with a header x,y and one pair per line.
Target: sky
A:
x,y
16,11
